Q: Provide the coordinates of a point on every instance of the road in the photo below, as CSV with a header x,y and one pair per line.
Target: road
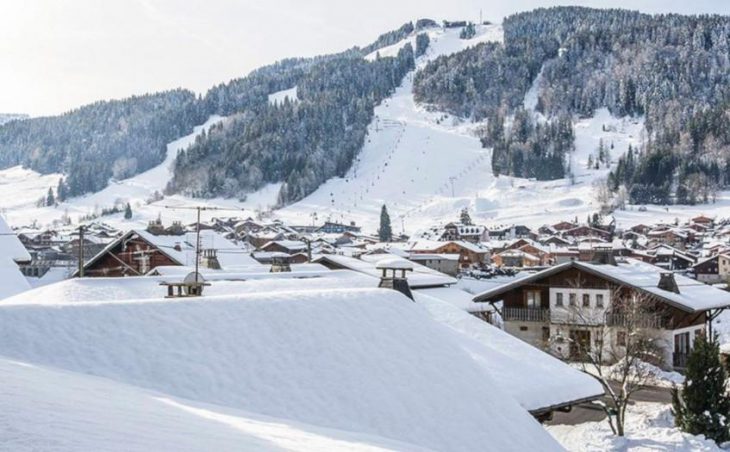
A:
x,y
588,412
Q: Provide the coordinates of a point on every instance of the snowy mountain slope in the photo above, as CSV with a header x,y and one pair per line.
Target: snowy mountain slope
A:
x,y
347,359
47,408
425,165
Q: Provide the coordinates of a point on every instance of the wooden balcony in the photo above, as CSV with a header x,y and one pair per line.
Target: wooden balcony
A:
x,y
526,314
643,321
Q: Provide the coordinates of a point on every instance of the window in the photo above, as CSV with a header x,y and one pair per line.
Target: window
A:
x,y
523,328
586,300
599,300
533,298
621,338
558,299
572,299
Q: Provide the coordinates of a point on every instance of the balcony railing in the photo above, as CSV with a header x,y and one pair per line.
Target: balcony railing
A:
x,y
638,321
526,314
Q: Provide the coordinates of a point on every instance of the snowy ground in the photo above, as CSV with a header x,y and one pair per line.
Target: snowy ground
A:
x,y
650,427
424,165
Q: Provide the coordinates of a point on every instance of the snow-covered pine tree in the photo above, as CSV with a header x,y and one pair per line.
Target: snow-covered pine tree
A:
x,y
50,199
465,217
703,405
385,232
128,212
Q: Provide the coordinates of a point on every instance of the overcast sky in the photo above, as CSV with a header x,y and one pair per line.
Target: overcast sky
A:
x,y
59,54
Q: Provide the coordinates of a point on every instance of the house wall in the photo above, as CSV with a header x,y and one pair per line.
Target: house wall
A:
x,y
109,265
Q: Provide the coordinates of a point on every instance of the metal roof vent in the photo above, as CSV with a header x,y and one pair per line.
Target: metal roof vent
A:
x,y
394,281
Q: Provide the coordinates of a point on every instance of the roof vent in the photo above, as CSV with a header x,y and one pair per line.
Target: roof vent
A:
x,y
394,281
667,282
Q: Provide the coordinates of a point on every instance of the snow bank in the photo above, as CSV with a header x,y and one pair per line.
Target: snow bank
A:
x,y
649,426
59,411
362,360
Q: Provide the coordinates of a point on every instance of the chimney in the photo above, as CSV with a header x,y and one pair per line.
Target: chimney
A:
x,y
210,259
280,263
396,280
667,282
603,256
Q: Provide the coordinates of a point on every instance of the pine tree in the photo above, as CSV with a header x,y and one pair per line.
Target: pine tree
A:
x,y
50,199
385,232
465,217
703,405
61,190
128,212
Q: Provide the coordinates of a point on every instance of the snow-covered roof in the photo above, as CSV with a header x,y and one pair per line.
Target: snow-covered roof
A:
x,y
68,411
181,248
534,378
395,263
421,276
10,245
693,296
12,280
344,359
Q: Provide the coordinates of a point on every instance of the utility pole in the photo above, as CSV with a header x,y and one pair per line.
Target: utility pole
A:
x,y
452,179
81,251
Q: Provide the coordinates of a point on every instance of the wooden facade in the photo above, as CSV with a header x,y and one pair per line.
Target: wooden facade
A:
x,y
132,256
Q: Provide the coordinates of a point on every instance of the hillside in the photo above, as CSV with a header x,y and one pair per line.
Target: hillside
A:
x,y
437,121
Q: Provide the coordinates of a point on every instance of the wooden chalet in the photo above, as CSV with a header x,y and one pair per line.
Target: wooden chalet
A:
x,y
714,269
538,308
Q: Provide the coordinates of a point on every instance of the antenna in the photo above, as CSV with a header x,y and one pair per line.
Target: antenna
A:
x,y
197,228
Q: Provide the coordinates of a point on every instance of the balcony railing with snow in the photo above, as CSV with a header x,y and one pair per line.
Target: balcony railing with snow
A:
x,y
526,314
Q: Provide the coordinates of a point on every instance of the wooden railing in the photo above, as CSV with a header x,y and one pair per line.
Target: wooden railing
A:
x,y
640,321
526,314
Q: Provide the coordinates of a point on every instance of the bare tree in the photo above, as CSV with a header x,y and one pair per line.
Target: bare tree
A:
x,y
625,349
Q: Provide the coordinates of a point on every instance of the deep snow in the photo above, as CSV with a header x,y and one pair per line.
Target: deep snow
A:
x,y
362,360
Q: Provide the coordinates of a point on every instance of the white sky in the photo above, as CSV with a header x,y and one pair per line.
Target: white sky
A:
x,y
59,54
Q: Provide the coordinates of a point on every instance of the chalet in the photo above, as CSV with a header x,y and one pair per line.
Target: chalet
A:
x,y
703,219
556,240
330,227
640,229
447,264
285,246
515,259
712,270
561,255
512,232
670,258
38,239
672,236
470,254
587,232
138,251
564,226
538,308
466,232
